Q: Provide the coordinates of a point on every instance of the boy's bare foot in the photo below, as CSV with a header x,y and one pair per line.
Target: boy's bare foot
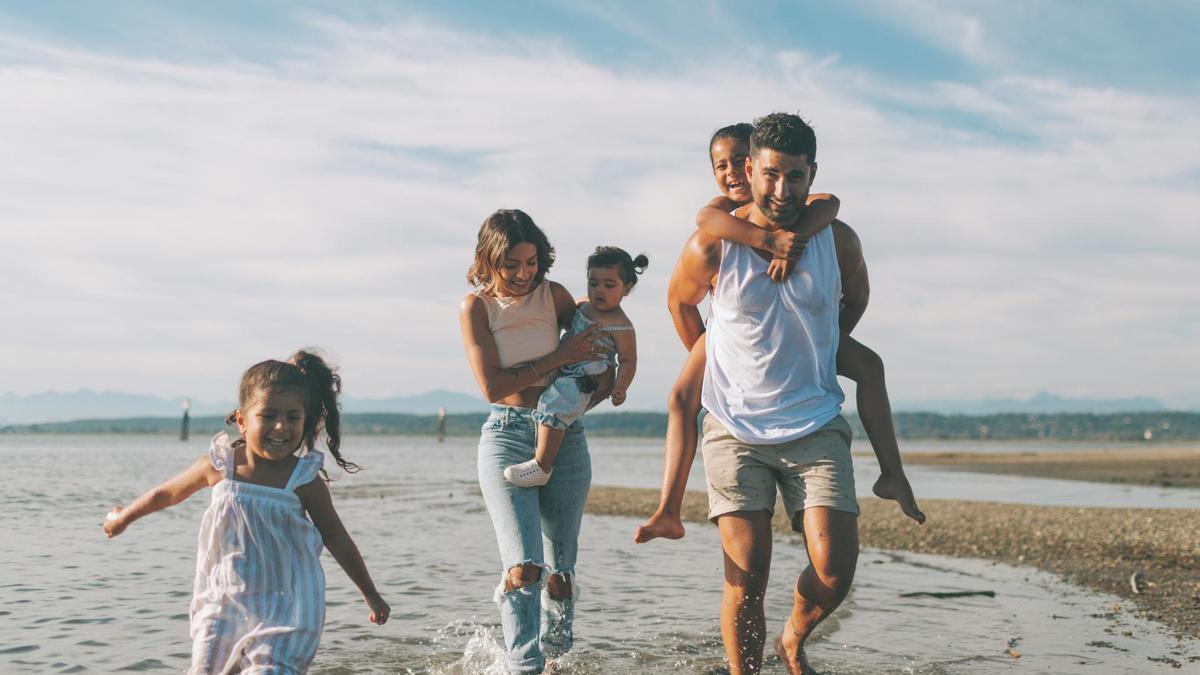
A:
x,y
895,486
659,525
791,652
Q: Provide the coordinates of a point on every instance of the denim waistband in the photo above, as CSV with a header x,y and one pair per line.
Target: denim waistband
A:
x,y
510,413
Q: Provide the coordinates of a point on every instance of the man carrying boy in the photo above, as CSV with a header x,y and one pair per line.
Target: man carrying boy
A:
x,y
773,401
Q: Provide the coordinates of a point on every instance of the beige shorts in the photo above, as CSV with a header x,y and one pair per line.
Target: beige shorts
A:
x,y
811,471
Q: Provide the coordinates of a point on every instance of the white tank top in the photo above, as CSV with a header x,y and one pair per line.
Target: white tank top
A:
x,y
771,375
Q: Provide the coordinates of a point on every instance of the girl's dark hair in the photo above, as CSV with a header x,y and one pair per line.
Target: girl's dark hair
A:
x,y
611,256
500,232
319,384
738,132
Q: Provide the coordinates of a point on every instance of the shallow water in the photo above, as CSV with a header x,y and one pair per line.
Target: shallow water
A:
x,y
71,601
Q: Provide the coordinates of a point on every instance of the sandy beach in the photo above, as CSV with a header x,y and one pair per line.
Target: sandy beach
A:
x,y
1092,547
1166,467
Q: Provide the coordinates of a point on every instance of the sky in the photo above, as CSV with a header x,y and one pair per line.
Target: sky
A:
x,y
190,188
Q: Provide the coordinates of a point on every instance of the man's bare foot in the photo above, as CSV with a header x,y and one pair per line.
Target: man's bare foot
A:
x,y
895,486
659,525
791,652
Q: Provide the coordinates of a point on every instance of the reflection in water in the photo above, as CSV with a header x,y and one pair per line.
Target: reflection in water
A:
x,y
70,600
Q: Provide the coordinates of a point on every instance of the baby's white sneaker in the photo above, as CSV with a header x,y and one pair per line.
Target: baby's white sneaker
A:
x,y
527,474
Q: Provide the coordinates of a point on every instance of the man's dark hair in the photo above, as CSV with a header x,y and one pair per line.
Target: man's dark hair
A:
x,y
786,133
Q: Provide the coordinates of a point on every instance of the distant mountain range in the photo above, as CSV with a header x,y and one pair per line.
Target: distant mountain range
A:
x,y
88,404
1040,403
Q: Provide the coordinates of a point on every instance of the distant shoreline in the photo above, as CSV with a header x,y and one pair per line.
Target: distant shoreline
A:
x,y
1173,466
1100,428
1093,547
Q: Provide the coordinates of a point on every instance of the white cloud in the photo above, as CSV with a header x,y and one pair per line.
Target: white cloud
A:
x,y
168,224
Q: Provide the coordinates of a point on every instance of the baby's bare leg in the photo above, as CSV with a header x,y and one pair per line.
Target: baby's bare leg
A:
x,y
549,440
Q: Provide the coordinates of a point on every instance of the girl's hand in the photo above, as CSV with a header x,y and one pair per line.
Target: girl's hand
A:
x,y
113,523
380,611
618,395
786,244
582,347
780,268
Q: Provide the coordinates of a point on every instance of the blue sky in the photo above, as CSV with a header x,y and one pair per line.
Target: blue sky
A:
x,y
190,188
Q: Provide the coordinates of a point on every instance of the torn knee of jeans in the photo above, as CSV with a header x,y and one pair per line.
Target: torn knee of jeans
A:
x,y
562,585
526,577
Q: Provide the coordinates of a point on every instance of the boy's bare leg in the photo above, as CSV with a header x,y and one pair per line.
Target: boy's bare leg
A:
x,y
859,363
683,406
746,541
549,440
832,541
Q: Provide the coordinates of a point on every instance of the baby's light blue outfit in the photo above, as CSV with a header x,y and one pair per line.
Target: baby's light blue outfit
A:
x,y
567,397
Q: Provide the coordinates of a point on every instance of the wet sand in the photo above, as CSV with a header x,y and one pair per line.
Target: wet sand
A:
x,y
1092,547
1163,467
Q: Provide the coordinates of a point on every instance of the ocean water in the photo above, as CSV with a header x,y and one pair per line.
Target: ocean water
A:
x,y
72,601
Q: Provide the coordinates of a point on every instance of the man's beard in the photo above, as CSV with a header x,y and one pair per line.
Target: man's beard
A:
x,y
781,220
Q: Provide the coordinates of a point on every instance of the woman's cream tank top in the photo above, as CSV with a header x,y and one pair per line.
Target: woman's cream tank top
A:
x,y
525,328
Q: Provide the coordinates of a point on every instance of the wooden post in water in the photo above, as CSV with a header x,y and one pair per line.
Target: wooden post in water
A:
x,y
183,428
441,425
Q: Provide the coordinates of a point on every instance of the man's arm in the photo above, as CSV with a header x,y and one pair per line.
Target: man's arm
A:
x,y
690,281
856,287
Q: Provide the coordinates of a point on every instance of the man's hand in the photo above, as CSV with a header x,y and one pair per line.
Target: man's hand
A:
x,y
618,395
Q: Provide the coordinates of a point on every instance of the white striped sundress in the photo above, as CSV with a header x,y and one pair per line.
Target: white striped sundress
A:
x,y
258,604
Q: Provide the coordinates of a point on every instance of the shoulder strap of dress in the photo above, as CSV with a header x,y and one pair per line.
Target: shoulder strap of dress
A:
x,y
306,469
612,329
220,453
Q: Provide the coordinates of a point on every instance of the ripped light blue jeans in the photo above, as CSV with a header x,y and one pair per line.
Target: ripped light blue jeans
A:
x,y
537,526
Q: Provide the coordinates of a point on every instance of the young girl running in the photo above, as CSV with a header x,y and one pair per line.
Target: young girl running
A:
x,y
259,595
612,274
729,149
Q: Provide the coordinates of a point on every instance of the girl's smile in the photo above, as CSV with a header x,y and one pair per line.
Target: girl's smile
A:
x,y
728,157
273,425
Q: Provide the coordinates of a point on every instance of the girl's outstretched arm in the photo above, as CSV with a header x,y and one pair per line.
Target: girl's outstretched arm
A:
x,y
319,505
200,474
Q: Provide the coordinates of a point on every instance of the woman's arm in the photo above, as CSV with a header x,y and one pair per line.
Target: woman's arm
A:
x,y
626,342
200,474
319,505
495,382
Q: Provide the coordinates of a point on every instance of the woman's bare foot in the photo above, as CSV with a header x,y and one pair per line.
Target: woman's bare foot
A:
x,y
789,650
659,525
895,486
